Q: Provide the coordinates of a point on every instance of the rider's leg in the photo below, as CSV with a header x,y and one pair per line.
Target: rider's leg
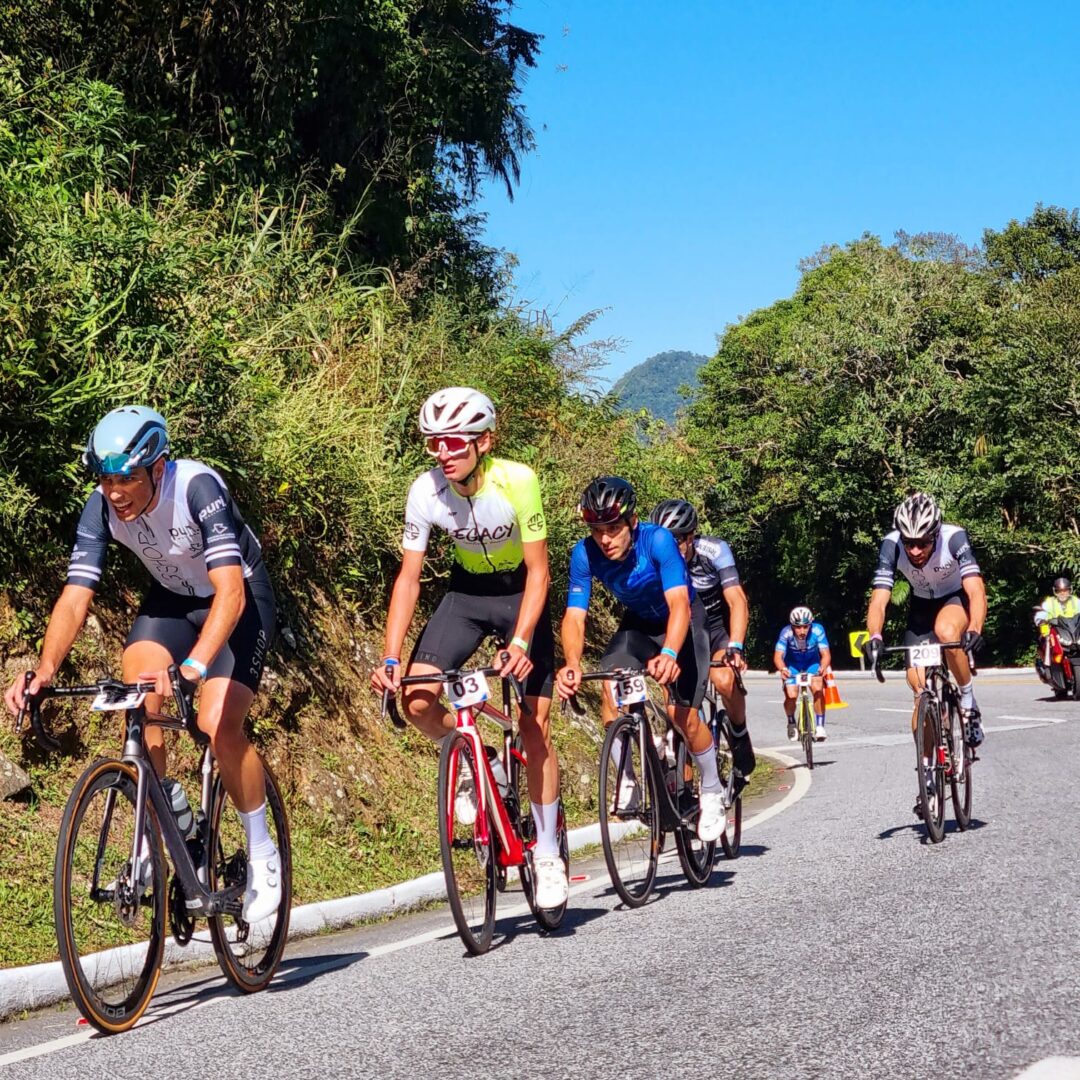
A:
x,y
422,706
817,685
723,679
140,657
950,625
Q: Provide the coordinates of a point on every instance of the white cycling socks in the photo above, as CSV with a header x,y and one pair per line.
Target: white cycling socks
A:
x,y
967,696
546,817
616,756
706,763
259,844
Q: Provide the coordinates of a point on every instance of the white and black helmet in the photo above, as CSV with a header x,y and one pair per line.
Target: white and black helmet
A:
x,y
676,515
918,517
457,410
801,616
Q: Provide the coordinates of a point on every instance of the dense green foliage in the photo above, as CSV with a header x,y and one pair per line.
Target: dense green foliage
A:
x,y
657,384
891,368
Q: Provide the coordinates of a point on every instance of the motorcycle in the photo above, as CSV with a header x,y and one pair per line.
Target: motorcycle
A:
x,y
1058,663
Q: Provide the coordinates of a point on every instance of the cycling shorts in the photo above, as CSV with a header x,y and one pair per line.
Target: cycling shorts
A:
x,y
716,626
923,612
638,640
175,621
797,668
463,619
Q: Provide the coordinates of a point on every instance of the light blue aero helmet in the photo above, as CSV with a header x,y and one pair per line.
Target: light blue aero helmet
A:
x,y
128,438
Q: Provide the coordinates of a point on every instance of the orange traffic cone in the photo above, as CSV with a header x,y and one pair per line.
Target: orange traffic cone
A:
x,y
832,693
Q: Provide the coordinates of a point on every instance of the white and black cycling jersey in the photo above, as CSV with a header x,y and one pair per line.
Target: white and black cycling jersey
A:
x,y
950,562
194,527
712,569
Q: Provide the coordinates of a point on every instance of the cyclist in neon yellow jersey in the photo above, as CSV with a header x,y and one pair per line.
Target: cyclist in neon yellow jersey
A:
x,y
499,585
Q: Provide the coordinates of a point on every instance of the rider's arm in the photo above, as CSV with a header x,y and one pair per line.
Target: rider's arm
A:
x,y
537,583
678,623
572,634
975,588
778,661
875,615
403,602
226,607
826,657
738,612
65,622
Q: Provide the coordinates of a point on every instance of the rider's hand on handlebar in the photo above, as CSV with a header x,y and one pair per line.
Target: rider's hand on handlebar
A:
x,y
736,659
663,669
872,650
972,641
513,660
784,673
386,677
567,682
14,698
162,680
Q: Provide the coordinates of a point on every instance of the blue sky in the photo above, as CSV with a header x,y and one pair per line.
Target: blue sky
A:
x,y
690,153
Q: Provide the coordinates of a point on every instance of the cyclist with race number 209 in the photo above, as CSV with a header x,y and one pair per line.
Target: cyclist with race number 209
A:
x,y
499,584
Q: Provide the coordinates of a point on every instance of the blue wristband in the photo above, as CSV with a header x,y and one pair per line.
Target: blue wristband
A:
x,y
735,645
195,665
391,661
670,652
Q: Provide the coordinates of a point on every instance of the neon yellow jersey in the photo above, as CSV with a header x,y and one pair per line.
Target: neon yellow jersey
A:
x,y
489,527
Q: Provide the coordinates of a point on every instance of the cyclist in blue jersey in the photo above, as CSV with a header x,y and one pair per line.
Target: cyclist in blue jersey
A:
x,y
803,647
210,608
662,629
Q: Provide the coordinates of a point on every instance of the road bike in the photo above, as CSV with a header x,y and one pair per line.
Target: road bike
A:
x,y
112,891
804,714
478,854
939,737
716,718
644,796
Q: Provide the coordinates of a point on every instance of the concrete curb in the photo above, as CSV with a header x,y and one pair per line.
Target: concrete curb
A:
x,y
37,985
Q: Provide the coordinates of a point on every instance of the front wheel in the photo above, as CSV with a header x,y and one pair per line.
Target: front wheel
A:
x,y
110,927
1075,665
629,812
932,780
467,846
247,953
806,728
960,756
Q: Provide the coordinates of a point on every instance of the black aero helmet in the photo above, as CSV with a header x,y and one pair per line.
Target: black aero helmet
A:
x,y
675,515
1062,584
606,499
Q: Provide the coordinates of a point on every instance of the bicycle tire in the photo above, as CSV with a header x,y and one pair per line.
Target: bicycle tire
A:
x,y
548,918
468,860
731,837
960,754
110,951
631,858
696,857
931,799
806,728
247,954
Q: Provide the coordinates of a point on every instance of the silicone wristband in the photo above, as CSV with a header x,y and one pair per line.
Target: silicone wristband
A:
x,y
670,652
195,665
391,661
521,643
735,645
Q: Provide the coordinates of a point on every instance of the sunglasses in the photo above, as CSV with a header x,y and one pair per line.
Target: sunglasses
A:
x,y
601,517
919,544
454,445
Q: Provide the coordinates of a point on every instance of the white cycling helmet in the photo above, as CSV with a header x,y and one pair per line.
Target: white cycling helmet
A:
x,y
457,410
917,517
801,616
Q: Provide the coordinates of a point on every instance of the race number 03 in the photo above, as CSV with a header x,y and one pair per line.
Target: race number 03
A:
x,y
468,690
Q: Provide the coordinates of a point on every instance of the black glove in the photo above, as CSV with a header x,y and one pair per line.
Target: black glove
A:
x,y
872,650
972,641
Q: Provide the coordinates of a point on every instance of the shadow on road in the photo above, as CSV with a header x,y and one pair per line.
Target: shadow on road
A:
x,y
297,971
919,826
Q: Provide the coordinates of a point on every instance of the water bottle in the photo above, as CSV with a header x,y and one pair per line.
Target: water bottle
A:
x,y
185,819
497,770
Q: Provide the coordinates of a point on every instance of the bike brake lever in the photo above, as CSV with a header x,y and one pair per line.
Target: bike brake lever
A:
x,y
572,707
20,719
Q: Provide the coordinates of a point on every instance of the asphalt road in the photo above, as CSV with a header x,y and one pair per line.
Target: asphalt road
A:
x,y
839,944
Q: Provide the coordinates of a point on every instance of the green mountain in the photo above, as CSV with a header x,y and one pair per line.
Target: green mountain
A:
x,y
654,384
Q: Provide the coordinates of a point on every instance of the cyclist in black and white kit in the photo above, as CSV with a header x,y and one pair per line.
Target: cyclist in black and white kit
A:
x,y
210,607
948,595
715,580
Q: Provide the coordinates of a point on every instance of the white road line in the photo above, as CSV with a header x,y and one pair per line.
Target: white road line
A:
x,y
1037,719
45,1048
1052,1068
907,711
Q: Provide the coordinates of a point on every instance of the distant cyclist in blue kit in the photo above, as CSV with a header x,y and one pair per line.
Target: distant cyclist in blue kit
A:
x,y
803,647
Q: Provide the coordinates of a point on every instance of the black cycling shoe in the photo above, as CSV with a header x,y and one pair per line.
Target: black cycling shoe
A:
x,y
739,783
742,752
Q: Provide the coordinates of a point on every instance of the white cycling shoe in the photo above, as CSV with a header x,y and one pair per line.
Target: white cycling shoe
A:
x,y
629,798
819,733
552,888
263,893
713,816
792,732
465,803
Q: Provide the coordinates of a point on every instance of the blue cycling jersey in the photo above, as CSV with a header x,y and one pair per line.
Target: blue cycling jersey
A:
x,y
653,565
802,656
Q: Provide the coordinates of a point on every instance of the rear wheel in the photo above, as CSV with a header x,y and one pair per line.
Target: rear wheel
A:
x,y
932,780
629,813
959,771
248,953
468,848
548,918
731,837
109,927
695,856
